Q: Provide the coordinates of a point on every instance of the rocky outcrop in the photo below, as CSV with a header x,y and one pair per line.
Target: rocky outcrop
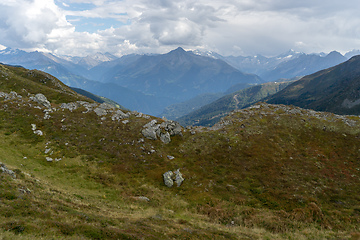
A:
x,y
41,99
118,115
152,130
170,177
4,169
10,96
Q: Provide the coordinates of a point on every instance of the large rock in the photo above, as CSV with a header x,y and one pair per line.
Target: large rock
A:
x,y
165,137
118,115
41,99
152,130
149,133
178,177
174,128
102,109
71,106
170,177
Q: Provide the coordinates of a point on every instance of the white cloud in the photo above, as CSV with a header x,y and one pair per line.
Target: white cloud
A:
x,y
229,26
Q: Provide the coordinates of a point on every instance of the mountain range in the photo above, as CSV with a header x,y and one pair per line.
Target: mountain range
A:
x,y
185,79
334,89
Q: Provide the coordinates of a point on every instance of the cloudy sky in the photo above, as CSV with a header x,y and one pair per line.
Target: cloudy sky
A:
x,y
229,27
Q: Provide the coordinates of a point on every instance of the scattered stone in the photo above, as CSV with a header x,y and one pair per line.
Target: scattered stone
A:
x,y
47,150
4,169
142,198
125,121
49,159
170,157
38,132
33,127
25,190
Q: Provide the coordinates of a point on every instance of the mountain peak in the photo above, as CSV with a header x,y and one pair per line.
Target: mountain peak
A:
x,y
178,50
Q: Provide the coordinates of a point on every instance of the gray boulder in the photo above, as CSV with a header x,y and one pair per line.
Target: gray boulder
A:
x,y
178,178
149,133
168,178
118,115
71,106
164,131
174,128
165,137
102,109
41,99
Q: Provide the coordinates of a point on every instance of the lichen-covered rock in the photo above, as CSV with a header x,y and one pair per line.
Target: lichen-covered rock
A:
x,y
165,137
168,178
70,106
174,128
118,115
149,133
178,178
150,124
164,131
102,109
42,100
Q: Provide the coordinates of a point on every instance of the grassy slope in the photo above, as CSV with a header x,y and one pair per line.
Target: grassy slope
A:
x,y
272,172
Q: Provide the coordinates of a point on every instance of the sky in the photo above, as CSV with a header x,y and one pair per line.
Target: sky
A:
x,y
228,27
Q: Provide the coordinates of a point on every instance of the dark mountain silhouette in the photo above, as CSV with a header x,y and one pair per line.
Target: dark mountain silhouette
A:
x,y
335,89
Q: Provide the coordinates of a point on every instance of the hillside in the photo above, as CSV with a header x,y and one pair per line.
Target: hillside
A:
x,y
211,113
75,169
334,90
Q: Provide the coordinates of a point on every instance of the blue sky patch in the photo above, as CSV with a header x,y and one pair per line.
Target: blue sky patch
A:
x,y
91,25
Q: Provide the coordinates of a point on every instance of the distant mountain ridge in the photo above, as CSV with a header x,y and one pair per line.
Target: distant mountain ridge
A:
x,y
336,89
179,75
150,83
290,64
